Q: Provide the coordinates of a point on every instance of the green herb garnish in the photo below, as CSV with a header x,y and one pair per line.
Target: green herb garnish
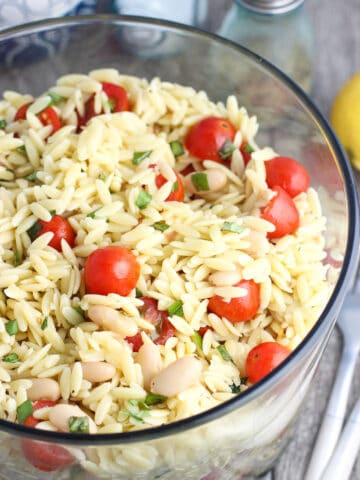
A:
x,y
200,182
32,177
176,308
138,157
161,226
226,150
143,199
34,230
153,399
2,123
232,227
44,323
21,149
11,358
12,327
248,148
17,258
24,411
224,353
197,338
235,388
79,310
112,104
55,98
177,148
78,424
138,293
93,213
139,416
175,186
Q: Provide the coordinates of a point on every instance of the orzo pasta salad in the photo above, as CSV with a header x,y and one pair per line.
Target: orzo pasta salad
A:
x,y
155,261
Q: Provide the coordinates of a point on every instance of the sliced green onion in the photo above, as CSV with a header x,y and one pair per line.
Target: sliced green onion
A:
x,y
17,258
139,416
224,353
248,148
55,98
52,212
200,182
2,123
138,293
153,399
235,388
176,308
11,358
79,424
32,177
12,327
197,338
21,149
161,226
177,148
24,410
138,157
175,186
226,150
44,323
232,227
34,230
79,310
143,199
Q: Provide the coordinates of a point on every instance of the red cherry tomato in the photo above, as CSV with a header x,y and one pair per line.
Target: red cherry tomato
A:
x,y
117,96
281,211
45,456
245,152
136,341
238,309
264,358
167,330
203,330
288,174
206,138
31,421
47,117
150,310
61,229
189,169
177,195
111,270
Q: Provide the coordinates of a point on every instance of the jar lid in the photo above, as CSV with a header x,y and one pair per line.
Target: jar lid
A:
x,y
271,7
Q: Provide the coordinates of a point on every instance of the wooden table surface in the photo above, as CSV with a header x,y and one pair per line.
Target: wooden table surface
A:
x,y
336,27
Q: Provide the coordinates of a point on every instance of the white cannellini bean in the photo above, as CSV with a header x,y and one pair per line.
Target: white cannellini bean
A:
x,y
43,389
225,279
176,377
110,319
97,371
149,359
59,416
216,180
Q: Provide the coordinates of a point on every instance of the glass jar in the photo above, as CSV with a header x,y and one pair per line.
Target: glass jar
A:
x,y
278,30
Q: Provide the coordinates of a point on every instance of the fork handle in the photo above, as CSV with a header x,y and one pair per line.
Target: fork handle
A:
x,y
334,415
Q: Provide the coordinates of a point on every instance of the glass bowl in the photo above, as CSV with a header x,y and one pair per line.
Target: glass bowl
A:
x,y
245,435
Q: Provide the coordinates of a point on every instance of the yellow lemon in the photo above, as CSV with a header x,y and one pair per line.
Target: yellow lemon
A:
x,y
345,118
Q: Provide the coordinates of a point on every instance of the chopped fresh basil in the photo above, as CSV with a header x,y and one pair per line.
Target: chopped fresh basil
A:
x,y
11,358
32,177
161,226
139,416
138,293
34,230
21,149
224,353
79,424
235,388
226,150
143,199
177,148
176,308
12,327
2,123
24,410
138,157
55,98
17,258
197,338
200,182
248,148
232,227
153,399
175,186
44,323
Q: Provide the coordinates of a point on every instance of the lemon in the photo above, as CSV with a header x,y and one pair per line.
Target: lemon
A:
x,y
345,118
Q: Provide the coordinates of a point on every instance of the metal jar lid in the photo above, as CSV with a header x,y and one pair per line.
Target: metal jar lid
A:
x,y
271,7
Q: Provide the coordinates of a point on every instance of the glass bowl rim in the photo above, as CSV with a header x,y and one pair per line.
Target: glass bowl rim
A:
x,y
347,272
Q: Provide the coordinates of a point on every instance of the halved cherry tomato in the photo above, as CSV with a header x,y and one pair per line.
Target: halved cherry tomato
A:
x,y
203,330
264,358
288,174
177,195
238,309
111,269
189,169
281,211
206,138
136,341
150,310
47,117
61,229
167,330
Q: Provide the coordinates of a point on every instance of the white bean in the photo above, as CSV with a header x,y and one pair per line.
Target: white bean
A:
x,y
110,319
226,278
43,389
176,377
216,180
149,359
59,416
97,371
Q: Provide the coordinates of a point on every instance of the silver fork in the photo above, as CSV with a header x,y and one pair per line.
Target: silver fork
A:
x,y
332,423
